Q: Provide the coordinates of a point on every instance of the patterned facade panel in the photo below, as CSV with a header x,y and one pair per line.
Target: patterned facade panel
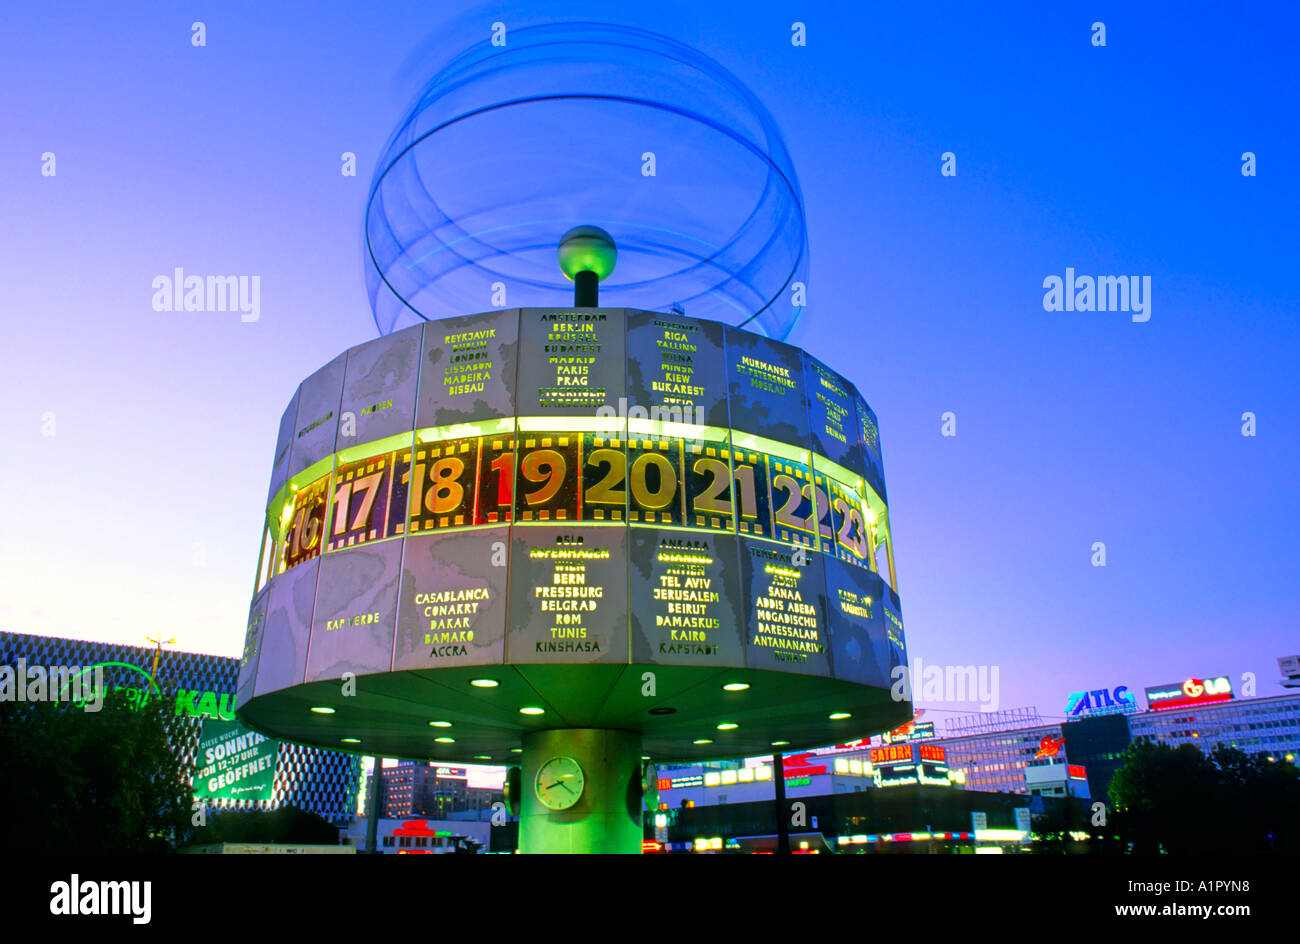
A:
x,y
317,781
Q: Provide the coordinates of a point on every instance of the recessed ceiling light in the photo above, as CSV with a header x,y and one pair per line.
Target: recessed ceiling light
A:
x,y
350,740
728,726
702,741
532,710
839,716
735,686
780,743
322,710
440,724
482,757
516,750
445,740
662,711
484,683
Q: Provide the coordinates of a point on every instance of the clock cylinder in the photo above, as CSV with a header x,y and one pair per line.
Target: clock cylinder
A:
x,y
639,533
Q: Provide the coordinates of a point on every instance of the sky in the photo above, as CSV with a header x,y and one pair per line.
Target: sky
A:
x,y
138,444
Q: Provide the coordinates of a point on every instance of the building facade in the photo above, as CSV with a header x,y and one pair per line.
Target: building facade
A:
x,y
1269,726
996,761
1074,758
202,688
439,791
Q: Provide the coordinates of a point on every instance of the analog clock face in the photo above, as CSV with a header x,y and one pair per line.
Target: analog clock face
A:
x,y
559,783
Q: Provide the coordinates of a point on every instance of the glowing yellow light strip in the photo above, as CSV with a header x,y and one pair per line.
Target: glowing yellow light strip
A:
x,y
571,424
770,446
434,434
672,430
283,500
850,480
371,450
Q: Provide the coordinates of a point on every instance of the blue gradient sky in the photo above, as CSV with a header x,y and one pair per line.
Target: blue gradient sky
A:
x,y
141,515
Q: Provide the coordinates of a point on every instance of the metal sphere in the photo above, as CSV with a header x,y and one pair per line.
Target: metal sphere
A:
x,y
587,249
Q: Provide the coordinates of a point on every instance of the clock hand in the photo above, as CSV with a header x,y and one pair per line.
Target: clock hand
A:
x,y
558,783
563,784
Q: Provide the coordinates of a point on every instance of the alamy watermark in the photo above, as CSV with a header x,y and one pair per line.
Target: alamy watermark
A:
x,y
977,684
87,897
683,413
181,292
1103,293
644,423
72,683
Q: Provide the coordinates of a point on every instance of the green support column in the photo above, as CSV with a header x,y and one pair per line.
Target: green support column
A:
x,y
598,772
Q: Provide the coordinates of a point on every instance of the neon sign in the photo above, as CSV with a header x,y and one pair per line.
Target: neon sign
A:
x,y
895,764
891,754
1049,746
193,703
932,752
1192,691
1101,701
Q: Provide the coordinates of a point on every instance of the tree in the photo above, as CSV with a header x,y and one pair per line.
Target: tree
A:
x,y
1261,802
83,781
1176,800
1162,796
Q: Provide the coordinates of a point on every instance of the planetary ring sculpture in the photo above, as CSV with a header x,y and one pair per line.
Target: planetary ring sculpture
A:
x,y
508,146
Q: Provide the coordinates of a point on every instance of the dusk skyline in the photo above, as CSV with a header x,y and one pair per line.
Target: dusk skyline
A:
x,y
140,441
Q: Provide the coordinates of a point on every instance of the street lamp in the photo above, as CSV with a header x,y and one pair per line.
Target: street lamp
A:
x,y
158,644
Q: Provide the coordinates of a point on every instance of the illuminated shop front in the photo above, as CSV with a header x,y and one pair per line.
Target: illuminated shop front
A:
x,y
896,765
906,819
751,780
1012,757
419,836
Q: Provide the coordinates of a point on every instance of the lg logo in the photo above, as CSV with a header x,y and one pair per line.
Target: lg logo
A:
x,y
1195,688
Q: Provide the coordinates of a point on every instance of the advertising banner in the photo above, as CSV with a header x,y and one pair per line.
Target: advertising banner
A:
x,y
1192,692
233,763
